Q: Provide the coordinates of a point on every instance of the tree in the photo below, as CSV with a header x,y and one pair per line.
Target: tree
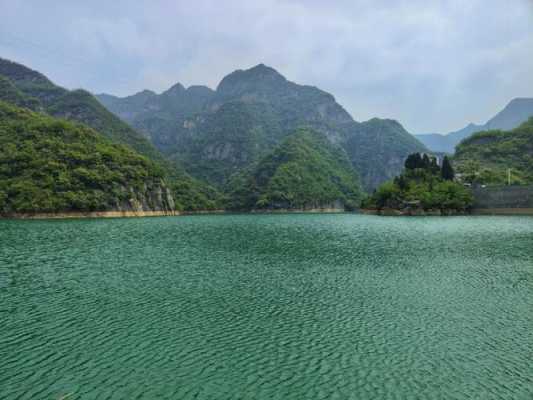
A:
x,y
447,172
402,182
426,162
414,161
434,167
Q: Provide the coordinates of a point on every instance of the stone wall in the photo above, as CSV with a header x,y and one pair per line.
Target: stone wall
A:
x,y
508,197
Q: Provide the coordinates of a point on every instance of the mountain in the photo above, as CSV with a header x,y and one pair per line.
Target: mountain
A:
x,y
77,105
249,114
53,165
160,116
304,171
486,156
378,148
22,86
516,112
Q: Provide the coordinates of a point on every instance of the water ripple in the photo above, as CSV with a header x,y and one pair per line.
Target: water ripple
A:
x,y
267,307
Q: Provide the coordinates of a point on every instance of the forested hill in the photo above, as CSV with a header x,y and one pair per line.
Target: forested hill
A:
x,y
486,157
53,165
217,133
22,86
77,105
304,171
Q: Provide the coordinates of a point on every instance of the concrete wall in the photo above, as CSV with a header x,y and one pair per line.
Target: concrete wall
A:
x,y
508,197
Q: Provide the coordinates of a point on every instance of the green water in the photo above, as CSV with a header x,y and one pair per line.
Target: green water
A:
x,y
267,307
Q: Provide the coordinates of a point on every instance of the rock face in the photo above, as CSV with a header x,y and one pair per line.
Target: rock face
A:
x,y
378,148
153,196
218,133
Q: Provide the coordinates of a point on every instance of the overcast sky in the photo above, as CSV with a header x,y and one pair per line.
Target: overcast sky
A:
x,y
432,65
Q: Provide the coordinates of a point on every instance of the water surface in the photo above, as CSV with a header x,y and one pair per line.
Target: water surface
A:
x,y
267,307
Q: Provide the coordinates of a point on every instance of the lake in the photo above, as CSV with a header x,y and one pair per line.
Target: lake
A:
x,y
288,306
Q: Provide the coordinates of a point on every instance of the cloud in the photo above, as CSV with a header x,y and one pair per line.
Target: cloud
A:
x,y
434,66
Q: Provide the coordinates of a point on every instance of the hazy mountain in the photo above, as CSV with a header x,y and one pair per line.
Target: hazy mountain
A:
x,y
487,156
160,117
514,113
250,113
378,148
304,171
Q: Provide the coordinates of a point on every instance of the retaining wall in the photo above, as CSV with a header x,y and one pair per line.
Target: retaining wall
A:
x,y
503,197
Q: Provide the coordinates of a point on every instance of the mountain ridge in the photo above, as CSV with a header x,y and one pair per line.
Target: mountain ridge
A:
x,y
274,107
517,111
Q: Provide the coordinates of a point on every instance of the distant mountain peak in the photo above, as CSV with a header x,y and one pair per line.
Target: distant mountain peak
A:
x,y
521,100
263,69
260,77
200,89
177,88
146,92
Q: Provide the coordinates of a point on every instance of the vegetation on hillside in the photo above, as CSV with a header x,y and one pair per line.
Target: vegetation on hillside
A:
x,y
161,117
10,94
305,171
77,105
486,157
423,185
231,139
24,87
49,165
251,112
377,149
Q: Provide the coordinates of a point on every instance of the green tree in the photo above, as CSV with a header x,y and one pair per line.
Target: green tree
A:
x,y
447,171
413,161
426,162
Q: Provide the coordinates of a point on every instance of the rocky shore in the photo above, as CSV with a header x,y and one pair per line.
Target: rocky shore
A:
x,y
89,214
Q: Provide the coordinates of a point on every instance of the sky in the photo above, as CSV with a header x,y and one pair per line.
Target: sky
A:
x,y
432,65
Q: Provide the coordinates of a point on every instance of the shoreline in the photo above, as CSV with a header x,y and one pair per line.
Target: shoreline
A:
x,y
90,214
142,214
391,212
502,211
